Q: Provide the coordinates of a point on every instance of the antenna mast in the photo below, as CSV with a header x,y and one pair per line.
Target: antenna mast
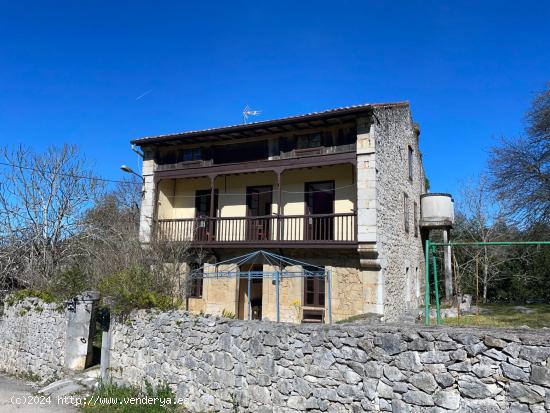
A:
x,y
249,112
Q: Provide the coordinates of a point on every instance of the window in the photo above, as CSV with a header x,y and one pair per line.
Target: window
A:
x,y
314,288
308,141
167,157
415,212
406,211
346,136
194,154
407,286
411,163
242,152
195,283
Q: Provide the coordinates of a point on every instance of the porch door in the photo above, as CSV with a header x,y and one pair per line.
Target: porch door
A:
x,y
202,214
319,200
256,292
258,211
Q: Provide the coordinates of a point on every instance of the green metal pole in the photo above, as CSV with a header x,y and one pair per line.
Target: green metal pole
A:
x,y
436,287
427,299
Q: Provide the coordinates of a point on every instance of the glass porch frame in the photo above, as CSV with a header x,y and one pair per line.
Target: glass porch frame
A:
x,y
273,260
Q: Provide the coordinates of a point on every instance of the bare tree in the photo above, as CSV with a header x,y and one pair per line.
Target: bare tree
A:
x,y
60,230
520,167
479,219
111,243
43,197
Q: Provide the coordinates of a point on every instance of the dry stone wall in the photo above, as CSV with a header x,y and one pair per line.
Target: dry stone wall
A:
x,y
227,365
32,338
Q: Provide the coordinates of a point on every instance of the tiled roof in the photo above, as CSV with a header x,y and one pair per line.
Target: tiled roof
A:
x,y
345,110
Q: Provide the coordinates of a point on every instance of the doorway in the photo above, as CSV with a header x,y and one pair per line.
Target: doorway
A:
x,y
203,230
256,293
319,205
259,200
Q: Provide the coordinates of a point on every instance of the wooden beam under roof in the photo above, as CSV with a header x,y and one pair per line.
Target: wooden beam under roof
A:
x,y
317,123
288,128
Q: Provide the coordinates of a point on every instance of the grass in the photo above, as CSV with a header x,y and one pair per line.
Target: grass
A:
x,y
505,315
28,376
111,398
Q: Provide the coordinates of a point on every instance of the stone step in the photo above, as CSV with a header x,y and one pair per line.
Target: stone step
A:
x,y
76,383
52,387
93,372
69,389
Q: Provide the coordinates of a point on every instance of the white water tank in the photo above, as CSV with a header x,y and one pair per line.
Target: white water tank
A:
x,y
437,211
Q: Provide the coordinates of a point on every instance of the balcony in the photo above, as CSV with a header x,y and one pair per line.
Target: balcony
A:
x,y
321,230
164,165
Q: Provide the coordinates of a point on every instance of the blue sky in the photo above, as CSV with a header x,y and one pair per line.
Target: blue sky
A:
x,y
72,71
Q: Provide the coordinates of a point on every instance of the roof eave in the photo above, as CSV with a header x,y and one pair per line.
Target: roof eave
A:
x,y
335,113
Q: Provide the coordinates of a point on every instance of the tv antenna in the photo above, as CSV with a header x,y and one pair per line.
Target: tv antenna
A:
x,y
247,111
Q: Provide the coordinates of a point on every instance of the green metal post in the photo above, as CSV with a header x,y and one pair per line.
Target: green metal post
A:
x,y
436,287
427,288
434,245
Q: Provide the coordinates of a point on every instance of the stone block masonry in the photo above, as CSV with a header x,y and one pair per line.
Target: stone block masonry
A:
x,y
228,365
32,339
45,340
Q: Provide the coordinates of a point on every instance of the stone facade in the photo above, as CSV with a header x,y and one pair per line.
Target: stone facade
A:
x,y
384,275
32,338
400,250
348,289
226,365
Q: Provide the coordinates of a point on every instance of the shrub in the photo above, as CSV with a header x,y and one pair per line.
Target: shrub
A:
x,y
61,287
68,283
135,288
228,314
19,295
163,397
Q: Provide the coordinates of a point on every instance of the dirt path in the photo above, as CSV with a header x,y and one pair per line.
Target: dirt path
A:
x,y
18,396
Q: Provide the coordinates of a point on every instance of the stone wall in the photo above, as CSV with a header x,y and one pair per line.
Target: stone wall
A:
x,y
47,339
32,338
400,251
226,365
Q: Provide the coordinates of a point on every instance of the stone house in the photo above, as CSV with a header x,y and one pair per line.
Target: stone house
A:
x,y
338,189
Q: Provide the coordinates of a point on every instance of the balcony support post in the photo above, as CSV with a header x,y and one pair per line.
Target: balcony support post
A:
x,y
212,212
280,210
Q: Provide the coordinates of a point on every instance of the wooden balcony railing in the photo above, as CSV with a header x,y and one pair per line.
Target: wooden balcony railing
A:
x,y
330,229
